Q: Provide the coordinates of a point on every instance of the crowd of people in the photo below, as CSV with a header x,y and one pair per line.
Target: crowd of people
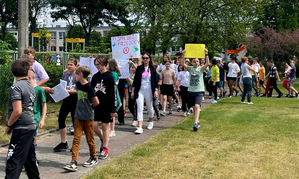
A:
x,y
96,101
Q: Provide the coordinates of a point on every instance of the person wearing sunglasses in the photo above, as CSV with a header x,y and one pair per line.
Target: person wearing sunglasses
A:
x,y
145,88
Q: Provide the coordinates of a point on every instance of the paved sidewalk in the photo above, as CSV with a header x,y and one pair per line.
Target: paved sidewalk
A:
x,y
51,163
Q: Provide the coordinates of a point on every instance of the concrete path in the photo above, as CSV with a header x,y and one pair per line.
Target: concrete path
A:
x,y
51,163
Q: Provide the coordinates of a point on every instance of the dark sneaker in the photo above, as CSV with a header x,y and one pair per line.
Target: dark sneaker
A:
x,y
160,106
71,167
224,93
179,108
61,147
170,112
90,162
104,154
280,95
196,126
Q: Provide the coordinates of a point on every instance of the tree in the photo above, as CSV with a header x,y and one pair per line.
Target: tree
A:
x,y
75,31
279,15
43,39
8,14
10,39
89,13
196,21
272,44
35,8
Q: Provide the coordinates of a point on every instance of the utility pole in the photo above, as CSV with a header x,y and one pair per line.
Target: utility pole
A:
x,y
23,19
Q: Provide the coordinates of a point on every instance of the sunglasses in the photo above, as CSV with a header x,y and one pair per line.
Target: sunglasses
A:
x,y
145,58
96,64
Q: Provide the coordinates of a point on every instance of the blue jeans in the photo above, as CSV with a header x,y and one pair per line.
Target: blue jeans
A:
x,y
247,85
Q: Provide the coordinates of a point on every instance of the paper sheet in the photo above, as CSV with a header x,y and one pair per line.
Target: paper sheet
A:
x,y
63,83
59,93
195,50
124,68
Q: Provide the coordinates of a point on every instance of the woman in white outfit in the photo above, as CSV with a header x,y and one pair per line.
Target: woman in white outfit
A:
x,y
145,87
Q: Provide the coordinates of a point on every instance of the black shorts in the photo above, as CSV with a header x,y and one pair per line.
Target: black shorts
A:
x,y
195,97
167,90
231,78
102,114
261,82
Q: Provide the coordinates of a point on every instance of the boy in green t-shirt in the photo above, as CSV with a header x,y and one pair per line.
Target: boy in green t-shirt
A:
x,y
196,85
40,105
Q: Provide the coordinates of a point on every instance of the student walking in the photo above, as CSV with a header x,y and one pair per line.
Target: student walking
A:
x,y
145,88
262,74
68,105
168,82
84,116
233,70
40,105
20,124
104,86
273,76
132,102
293,91
214,80
247,80
196,86
113,67
182,88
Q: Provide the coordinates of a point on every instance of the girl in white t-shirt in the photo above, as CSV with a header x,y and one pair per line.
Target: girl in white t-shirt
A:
x,y
182,88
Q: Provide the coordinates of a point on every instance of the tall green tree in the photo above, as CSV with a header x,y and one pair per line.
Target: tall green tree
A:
x,y
8,14
90,13
196,21
35,9
279,15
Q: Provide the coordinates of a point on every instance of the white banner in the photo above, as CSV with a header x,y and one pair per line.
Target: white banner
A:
x,y
86,61
125,47
124,68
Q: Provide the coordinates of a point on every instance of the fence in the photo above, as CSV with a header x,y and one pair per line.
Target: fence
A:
x,y
48,59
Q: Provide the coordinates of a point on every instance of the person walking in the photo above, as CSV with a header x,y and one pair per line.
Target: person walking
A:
x,y
247,80
145,88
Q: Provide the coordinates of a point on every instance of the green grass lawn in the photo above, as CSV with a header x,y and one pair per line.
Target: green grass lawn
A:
x,y
234,141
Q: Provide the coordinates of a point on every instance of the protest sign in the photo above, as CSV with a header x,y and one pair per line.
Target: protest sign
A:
x,y
124,68
195,50
125,47
89,62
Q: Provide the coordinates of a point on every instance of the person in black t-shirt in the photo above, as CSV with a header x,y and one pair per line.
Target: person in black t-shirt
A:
x,y
273,76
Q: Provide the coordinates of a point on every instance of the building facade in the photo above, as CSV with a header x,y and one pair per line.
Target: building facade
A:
x,y
58,35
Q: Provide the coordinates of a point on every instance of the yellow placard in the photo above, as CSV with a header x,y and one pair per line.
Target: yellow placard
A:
x,y
37,35
195,50
74,40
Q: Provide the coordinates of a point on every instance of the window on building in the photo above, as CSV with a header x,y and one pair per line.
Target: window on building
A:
x,y
60,49
61,35
53,35
53,49
106,32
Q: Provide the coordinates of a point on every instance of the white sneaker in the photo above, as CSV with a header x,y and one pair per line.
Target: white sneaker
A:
x,y
243,102
185,114
250,103
139,130
112,134
134,124
150,125
190,111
